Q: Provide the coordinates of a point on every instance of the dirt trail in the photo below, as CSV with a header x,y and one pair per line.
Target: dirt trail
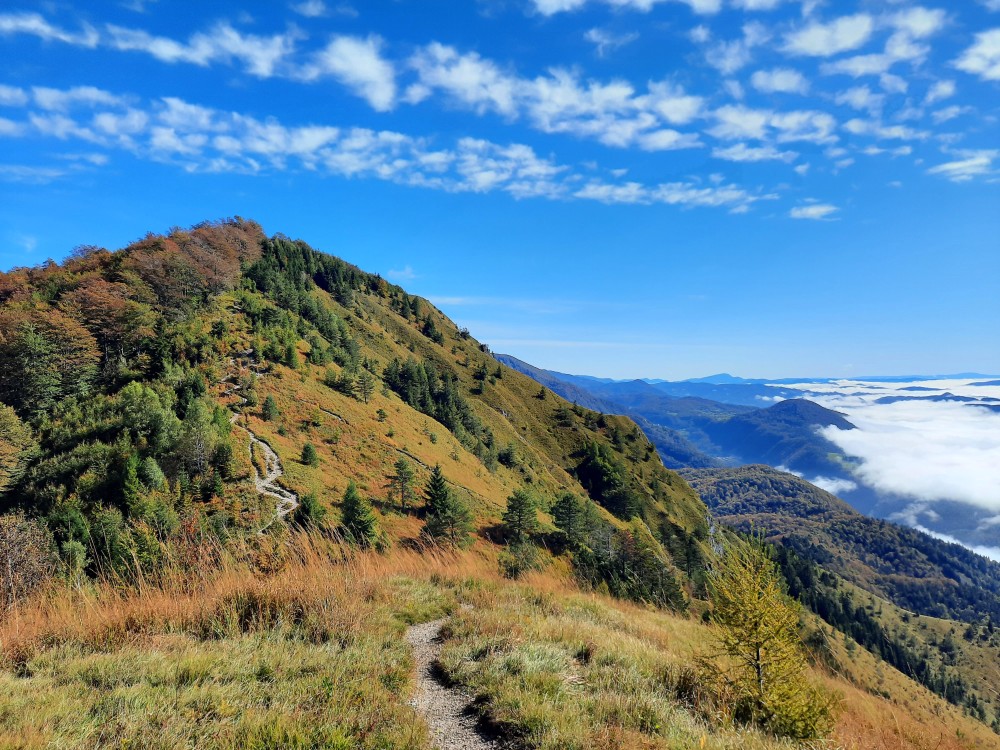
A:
x,y
286,501
446,710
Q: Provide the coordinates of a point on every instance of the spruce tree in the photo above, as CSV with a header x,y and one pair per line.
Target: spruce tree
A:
x,y
447,519
520,520
571,517
358,518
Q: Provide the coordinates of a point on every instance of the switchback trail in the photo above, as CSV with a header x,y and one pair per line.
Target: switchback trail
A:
x,y
446,710
286,501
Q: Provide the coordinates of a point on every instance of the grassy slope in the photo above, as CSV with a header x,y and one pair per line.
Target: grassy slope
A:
x,y
355,446
313,656
311,653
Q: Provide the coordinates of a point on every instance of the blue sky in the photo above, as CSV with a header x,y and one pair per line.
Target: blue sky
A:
x,y
657,188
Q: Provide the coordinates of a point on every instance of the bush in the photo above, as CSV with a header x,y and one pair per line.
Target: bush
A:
x,y
26,558
518,559
309,512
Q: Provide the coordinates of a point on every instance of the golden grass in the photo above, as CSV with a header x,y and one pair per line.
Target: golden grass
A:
x,y
313,655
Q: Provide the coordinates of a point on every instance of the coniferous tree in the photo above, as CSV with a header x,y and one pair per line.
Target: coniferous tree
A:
x,y
16,443
401,484
520,520
309,455
270,409
366,386
571,517
757,631
358,518
447,519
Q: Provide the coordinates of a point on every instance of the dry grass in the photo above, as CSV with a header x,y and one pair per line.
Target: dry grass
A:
x,y
312,655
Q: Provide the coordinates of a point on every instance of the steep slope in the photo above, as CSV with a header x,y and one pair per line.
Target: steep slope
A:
x,y
155,346
187,599
912,569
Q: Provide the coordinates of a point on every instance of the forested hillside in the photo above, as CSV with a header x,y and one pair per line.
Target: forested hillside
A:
x,y
233,468
121,371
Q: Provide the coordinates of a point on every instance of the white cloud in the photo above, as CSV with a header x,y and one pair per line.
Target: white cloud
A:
x,y
201,139
35,25
551,7
983,57
606,41
261,55
311,8
823,40
12,96
876,129
743,153
814,211
861,97
730,56
925,450
974,163
940,90
611,112
406,273
467,78
919,22
737,122
834,485
783,80
359,65
9,128
949,113
63,99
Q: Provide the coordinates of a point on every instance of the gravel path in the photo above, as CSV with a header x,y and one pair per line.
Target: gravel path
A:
x,y
285,500
445,709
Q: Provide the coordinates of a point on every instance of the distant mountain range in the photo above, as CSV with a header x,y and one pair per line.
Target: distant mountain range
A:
x,y
727,421
744,423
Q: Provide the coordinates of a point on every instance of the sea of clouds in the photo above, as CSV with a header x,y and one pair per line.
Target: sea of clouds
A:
x,y
932,453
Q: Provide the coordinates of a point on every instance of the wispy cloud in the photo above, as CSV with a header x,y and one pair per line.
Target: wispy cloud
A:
x,y
406,273
983,57
814,211
359,65
971,164
203,139
606,41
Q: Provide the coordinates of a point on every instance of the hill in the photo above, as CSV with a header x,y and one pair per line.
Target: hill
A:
x,y
912,569
191,431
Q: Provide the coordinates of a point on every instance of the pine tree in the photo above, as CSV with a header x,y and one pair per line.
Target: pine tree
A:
x,y
520,520
447,518
571,517
270,409
757,631
401,484
366,386
309,455
358,518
